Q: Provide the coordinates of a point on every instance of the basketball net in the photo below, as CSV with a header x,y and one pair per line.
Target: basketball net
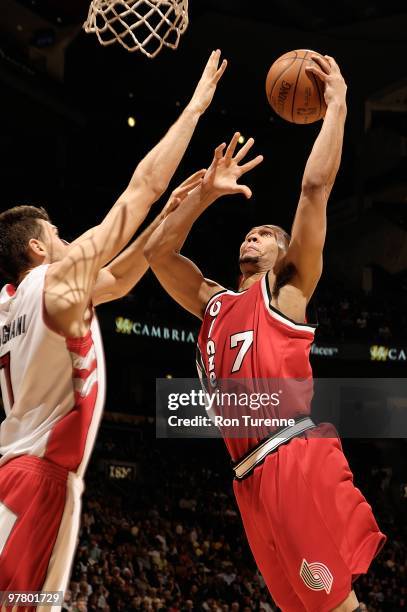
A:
x,y
138,25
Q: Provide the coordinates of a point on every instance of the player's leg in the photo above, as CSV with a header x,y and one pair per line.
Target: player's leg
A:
x,y
260,539
32,496
324,530
60,565
39,524
350,604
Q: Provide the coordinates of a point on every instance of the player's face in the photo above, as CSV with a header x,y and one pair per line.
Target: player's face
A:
x,y
54,246
259,251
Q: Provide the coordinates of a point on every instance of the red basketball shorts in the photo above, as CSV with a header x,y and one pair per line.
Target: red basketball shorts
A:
x,y
311,531
40,506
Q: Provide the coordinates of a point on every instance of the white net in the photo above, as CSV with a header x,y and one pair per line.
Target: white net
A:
x,y
138,25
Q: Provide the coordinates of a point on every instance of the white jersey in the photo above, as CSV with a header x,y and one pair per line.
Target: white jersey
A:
x,y
53,388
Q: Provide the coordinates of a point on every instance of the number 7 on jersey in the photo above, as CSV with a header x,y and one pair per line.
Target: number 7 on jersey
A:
x,y
246,338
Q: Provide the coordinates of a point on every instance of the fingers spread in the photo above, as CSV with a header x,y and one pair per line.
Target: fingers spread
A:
x,y
231,147
244,150
251,164
219,151
245,190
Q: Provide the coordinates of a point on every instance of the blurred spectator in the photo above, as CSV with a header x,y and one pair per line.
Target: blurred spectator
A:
x,y
356,316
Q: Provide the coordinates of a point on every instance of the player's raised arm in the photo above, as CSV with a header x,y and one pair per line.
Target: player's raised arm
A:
x,y
117,278
70,282
179,276
309,227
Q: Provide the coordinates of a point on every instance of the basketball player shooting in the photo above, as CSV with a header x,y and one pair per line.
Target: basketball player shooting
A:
x,y
51,356
311,531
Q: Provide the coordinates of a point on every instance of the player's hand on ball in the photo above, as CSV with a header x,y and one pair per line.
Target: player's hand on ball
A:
x,y
180,193
327,70
222,175
206,87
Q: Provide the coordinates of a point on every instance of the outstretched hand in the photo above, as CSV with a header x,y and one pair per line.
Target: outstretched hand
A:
x,y
206,87
222,175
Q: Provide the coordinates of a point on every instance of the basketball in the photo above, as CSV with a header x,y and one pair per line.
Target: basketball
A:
x,y
294,94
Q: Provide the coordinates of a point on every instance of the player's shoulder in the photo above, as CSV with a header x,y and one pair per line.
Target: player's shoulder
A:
x,y
222,296
32,281
209,289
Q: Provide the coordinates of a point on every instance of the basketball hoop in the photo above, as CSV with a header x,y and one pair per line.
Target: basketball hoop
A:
x,y
138,25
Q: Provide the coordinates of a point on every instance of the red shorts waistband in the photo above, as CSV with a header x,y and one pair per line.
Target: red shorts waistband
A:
x,y
37,465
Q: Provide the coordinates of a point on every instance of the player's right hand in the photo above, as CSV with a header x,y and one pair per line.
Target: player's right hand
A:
x,y
206,87
222,175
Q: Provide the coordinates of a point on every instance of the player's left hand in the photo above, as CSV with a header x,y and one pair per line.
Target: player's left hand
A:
x,y
181,192
328,71
222,175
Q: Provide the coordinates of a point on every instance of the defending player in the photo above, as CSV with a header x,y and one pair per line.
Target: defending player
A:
x,y
311,531
51,357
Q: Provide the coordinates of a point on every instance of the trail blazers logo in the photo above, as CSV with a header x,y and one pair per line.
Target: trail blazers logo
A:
x,y
316,576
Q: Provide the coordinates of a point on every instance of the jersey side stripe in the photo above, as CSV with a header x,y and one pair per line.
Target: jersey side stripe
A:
x,y
280,317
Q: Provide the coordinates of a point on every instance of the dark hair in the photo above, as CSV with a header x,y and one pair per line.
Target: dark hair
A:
x,y
17,226
283,239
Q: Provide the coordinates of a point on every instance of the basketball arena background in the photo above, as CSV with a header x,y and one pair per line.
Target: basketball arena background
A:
x,y
160,529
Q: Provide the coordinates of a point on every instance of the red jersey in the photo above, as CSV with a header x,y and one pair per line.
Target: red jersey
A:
x,y
310,530
243,337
